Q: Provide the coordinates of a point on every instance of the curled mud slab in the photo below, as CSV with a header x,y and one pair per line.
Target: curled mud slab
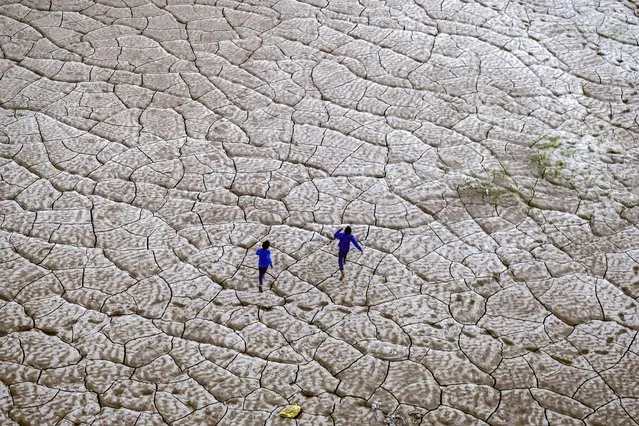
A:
x,y
485,154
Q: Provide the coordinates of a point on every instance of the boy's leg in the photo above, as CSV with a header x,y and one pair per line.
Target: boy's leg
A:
x,y
341,258
261,276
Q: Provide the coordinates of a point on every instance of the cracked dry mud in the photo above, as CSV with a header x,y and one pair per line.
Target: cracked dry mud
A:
x,y
485,153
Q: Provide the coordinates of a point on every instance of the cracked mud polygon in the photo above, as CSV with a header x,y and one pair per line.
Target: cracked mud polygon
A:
x,y
486,155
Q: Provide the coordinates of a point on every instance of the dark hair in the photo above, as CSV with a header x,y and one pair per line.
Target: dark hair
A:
x,y
347,231
266,245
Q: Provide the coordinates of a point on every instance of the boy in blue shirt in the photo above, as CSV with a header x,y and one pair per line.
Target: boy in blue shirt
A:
x,y
264,261
345,239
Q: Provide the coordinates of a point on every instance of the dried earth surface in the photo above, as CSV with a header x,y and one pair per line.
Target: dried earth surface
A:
x,y
485,153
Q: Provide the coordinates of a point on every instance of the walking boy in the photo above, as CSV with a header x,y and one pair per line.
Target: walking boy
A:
x,y
345,239
264,261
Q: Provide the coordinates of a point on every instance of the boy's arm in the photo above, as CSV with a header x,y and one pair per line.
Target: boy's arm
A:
x,y
356,244
339,231
270,262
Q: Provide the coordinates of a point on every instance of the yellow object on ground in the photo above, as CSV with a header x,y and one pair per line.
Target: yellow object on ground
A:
x,y
291,411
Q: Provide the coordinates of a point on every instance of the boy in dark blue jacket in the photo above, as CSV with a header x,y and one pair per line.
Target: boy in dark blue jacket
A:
x,y
264,261
345,239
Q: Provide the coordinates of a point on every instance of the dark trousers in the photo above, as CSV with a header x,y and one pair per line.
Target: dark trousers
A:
x,y
262,273
341,259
